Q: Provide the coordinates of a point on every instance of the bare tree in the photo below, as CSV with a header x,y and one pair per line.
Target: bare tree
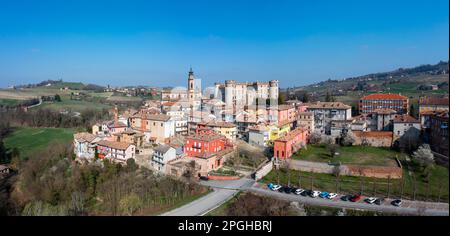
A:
x,y
424,158
332,149
315,137
348,139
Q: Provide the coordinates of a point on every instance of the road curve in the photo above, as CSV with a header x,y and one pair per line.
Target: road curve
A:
x,y
222,192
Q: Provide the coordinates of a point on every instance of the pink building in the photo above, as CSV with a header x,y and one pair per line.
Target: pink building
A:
x,y
289,144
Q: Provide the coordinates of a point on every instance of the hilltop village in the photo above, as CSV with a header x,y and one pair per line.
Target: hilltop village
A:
x,y
190,132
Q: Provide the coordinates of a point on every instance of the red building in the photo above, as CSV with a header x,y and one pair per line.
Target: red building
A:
x,y
397,102
289,144
204,143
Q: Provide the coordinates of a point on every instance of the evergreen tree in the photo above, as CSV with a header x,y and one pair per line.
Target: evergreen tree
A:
x,y
328,97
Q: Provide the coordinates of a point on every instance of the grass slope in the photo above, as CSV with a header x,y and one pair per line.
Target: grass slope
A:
x,y
357,155
31,140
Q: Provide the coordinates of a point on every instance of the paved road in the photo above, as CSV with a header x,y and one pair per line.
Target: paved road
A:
x,y
36,105
222,192
408,207
225,190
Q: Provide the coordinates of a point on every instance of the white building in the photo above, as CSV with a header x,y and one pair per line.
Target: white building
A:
x,y
326,112
85,145
161,156
237,95
405,124
116,151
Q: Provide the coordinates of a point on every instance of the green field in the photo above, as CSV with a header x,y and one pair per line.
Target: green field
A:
x,y
9,102
31,140
74,105
357,155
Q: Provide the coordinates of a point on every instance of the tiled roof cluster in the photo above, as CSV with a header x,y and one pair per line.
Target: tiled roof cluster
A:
x,y
384,96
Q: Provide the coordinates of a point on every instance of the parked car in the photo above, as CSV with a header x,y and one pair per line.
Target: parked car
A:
x,y
299,191
356,198
370,200
205,178
324,194
306,193
346,197
332,195
287,189
379,201
314,194
397,202
276,187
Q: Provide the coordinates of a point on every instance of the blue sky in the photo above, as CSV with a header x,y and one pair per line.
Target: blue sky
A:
x,y
154,42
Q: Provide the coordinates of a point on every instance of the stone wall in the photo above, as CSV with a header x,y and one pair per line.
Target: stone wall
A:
x,y
349,170
263,171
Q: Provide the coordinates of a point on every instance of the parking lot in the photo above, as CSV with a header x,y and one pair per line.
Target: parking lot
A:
x,y
406,208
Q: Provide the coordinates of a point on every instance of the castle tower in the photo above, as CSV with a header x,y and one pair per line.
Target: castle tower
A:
x,y
273,89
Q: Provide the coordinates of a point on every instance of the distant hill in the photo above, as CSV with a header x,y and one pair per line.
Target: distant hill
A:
x,y
411,82
61,84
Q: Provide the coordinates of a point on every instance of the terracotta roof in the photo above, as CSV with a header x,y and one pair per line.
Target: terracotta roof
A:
x,y
285,107
218,124
373,134
132,132
114,145
433,101
259,128
328,105
405,119
206,137
289,136
169,104
117,125
84,136
384,96
157,117
162,148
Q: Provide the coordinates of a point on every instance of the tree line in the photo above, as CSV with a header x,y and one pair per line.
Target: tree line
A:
x,y
50,118
52,183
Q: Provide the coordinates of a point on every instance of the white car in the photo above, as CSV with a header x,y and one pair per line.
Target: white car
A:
x,y
371,200
299,191
332,195
315,194
276,187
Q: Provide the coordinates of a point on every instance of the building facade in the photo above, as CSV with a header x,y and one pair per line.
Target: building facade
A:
x,y
438,130
326,112
397,102
289,144
84,145
115,151
161,156
237,95
406,125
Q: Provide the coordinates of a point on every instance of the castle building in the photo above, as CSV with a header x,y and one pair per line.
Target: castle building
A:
x,y
237,96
